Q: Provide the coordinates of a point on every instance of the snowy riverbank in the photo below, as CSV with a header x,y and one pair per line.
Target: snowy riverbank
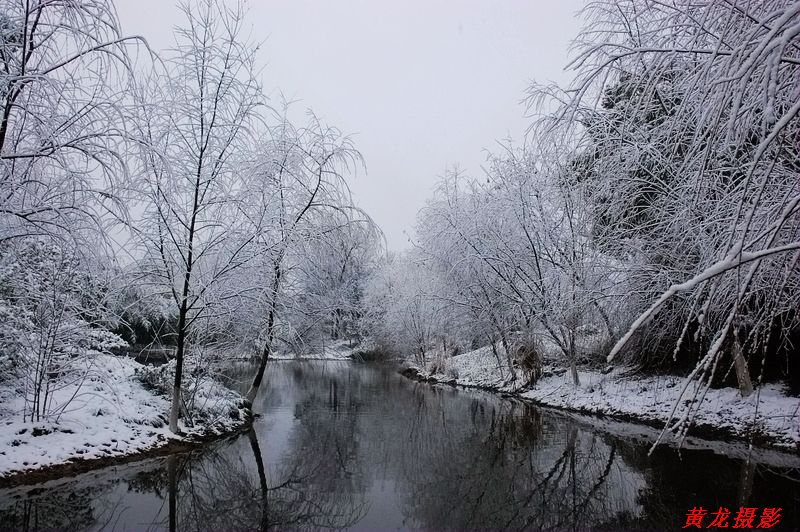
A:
x,y
769,416
336,350
109,414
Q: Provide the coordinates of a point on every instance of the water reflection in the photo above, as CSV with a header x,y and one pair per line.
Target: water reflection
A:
x,y
347,446
219,491
512,470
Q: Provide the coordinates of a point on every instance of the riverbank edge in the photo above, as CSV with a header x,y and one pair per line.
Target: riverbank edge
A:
x,y
78,465
699,430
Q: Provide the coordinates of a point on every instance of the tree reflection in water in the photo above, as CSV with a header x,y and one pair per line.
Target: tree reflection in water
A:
x,y
342,445
510,471
220,491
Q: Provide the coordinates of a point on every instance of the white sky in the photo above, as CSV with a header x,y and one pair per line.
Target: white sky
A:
x,y
421,84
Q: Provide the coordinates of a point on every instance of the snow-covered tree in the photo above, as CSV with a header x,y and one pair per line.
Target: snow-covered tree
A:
x,y
198,120
297,179
690,111
64,69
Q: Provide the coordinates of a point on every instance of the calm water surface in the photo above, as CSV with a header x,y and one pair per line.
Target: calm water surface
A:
x,y
343,445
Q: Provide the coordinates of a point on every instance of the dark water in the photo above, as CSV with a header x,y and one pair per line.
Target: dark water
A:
x,y
357,446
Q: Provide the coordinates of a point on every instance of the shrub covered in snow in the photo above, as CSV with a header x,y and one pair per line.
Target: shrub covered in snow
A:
x,y
53,319
528,356
205,399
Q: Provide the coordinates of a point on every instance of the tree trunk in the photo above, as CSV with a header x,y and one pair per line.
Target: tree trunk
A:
x,y
509,361
176,386
574,370
573,366
184,310
273,308
742,371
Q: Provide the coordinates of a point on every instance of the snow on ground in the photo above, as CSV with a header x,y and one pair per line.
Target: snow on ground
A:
x,y
652,399
480,368
648,399
112,414
335,350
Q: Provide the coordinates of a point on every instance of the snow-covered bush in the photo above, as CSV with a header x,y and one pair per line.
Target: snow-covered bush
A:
x,y
53,320
528,356
436,362
204,398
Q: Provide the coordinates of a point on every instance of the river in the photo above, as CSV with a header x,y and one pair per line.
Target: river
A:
x,y
345,445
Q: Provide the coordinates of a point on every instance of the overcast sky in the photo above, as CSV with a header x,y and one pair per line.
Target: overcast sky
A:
x,y
420,84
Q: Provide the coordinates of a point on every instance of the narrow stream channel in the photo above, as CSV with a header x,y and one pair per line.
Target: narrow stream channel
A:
x,y
345,445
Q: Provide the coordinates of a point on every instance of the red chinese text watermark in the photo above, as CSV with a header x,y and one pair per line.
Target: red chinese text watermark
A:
x,y
724,518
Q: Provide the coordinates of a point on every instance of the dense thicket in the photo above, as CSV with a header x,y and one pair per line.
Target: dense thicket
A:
x,y
652,214
158,199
